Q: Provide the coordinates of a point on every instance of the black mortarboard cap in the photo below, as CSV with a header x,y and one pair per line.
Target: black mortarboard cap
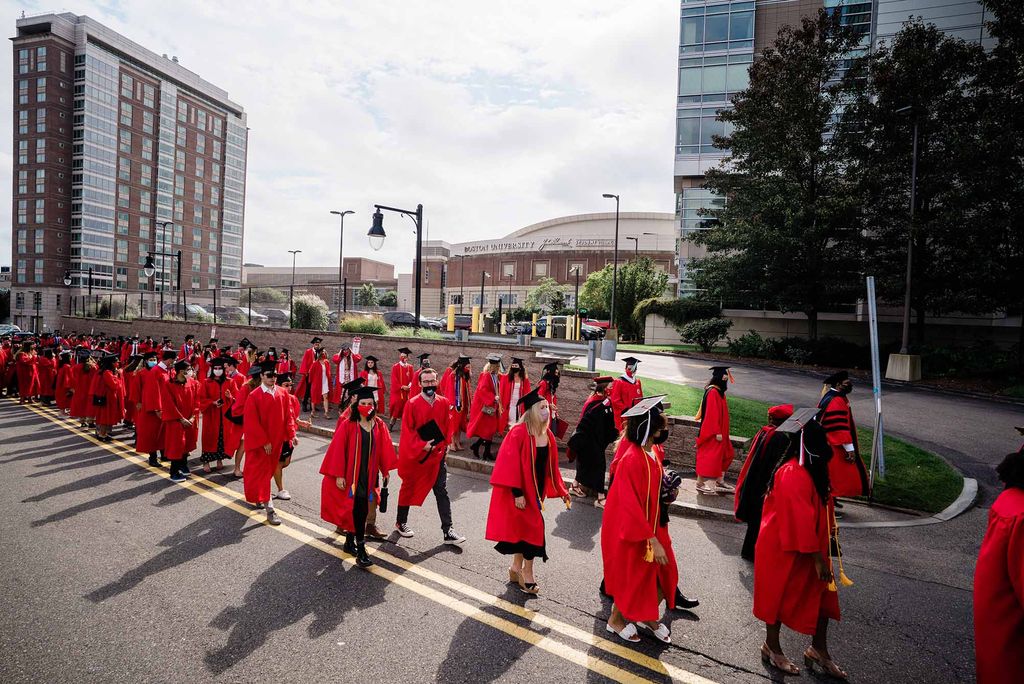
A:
x,y
189,337
254,371
796,422
217,362
181,365
404,350
553,366
364,393
530,398
151,354
631,359
837,378
645,405
283,378
169,354
284,350
494,358
424,355
516,359
353,385
370,357
244,342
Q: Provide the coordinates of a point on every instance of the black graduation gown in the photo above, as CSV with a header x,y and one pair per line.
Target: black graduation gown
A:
x,y
595,431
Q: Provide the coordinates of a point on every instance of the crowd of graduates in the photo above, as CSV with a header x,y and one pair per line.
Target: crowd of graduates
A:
x,y
247,405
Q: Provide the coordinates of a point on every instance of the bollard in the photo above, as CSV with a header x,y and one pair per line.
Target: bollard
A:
x,y
475,325
533,326
451,318
548,328
504,321
591,355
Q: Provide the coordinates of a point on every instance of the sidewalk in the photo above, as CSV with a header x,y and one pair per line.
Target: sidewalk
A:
x,y
690,504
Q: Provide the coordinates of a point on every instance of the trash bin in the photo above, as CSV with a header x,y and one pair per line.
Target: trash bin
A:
x,y
608,348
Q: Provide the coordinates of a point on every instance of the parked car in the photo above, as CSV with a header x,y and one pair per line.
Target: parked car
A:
x,y
9,329
229,312
593,322
462,322
276,317
558,323
175,309
405,319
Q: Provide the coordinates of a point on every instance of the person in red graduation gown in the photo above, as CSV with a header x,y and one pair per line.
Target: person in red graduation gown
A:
x,y
626,390
108,396
26,369
346,369
267,423
525,474
360,454
305,364
846,469
46,369
216,395
589,442
486,414
639,564
765,450
402,376
374,378
999,582
421,463
285,363
148,421
424,364
179,410
515,384
548,386
236,415
285,382
131,348
714,447
320,383
81,399
132,394
455,387
65,371
793,580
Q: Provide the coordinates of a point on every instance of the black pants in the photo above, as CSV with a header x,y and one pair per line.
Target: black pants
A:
x,y
444,504
176,466
750,538
360,506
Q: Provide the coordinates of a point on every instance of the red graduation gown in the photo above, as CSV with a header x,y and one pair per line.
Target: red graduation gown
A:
x,y
317,372
268,420
630,519
215,425
505,389
111,386
179,400
623,395
308,357
64,386
81,400
847,478
28,377
794,524
460,416
382,387
999,593
342,460
515,468
417,468
148,425
714,457
344,371
131,394
401,374
544,390
47,372
487,394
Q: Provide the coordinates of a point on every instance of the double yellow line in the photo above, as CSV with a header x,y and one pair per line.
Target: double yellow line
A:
x,y
228,498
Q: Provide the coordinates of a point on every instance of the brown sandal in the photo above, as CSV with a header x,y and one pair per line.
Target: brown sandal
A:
x,y
812,657
779,661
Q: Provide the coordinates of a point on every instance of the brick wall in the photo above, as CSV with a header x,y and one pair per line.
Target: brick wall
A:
x,y
572,390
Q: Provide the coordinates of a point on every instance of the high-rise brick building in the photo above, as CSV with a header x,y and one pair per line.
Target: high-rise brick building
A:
x,y
118,153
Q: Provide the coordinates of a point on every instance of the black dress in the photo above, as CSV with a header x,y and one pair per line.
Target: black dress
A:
x,y
530,551
590,440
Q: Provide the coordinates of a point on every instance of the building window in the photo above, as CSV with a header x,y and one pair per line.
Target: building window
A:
x,y
201,143
508,269
123,196
198,189
570,271
126,114
147,122
146,175
148,95
181,136
179,160
197,215
200,167
540,269
22,212
122,222
124,168
508,300
147,149
38,271
125,141
40,208
179,210
127,86
144,228
455,299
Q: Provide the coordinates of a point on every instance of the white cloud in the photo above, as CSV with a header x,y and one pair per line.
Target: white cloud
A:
x,y
493,115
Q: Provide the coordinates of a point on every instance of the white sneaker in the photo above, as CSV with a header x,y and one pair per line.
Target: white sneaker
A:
x,y
283,495
404,530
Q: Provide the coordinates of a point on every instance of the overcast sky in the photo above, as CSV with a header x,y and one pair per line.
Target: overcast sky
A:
x,y
493,115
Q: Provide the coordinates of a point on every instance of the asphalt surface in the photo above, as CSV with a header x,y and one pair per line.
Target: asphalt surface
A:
x,y
971,433
111,573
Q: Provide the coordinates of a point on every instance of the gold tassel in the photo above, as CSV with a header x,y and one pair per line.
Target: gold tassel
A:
x,y
649,553
832,586
843,578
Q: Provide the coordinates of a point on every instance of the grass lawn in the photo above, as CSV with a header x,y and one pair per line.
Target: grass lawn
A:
x,y
915,478
626,346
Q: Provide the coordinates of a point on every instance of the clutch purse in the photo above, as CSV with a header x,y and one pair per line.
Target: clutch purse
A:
x,y
488,410
99,400
383,499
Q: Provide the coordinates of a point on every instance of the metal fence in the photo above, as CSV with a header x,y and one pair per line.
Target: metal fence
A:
x,y
264,305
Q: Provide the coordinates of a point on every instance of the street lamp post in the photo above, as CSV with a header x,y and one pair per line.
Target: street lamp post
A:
x,y
462,279
636,246
150,266
377,235
67,280
341,252
576,302
615,260
905,343
291,290
483,275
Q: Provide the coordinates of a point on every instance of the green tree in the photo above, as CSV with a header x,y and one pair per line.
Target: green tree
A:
x,y
788,232
547,296
366,295
309,312
933,78
389,298
637,280
264,295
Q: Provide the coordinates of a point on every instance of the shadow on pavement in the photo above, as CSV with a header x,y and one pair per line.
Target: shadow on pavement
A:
x,y
305,582
479,653
580,526
215,530
92,504
54,446
74,462
85,483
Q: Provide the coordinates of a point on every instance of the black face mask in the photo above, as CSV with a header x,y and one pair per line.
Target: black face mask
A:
x,y
846,389
429,391
660,438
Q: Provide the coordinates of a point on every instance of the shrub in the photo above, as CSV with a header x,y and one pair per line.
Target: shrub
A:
x,y
265,295
749,345
389,298
365,326
676,311
423,334
797,354
309,312
706,332
105,309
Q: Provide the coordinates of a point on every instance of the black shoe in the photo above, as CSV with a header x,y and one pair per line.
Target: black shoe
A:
x,y
475,448
683,603
453,538
153,461
185,469
350,545
363,560
837,504
177,477
307,407
272,517
601,589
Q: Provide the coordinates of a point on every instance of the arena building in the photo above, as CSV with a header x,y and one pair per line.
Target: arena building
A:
x,y
507,268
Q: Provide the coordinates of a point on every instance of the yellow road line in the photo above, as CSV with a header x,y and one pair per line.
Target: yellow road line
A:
x,y
230,499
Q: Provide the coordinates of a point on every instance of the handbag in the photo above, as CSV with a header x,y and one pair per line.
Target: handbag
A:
x,y
488,410
98,400
383,499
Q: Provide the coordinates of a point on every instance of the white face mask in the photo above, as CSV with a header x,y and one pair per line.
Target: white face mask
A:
x,y
190,374
218,372
544,414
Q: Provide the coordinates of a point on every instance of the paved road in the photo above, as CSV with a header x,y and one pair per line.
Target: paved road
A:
x,y
111,573
974,434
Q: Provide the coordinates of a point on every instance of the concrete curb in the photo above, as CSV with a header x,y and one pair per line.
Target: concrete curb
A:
x,y
968,495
